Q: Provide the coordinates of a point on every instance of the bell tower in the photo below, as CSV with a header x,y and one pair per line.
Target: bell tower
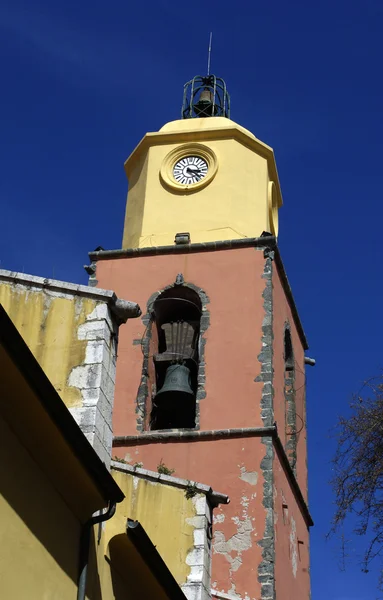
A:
x,y
203,174
211,380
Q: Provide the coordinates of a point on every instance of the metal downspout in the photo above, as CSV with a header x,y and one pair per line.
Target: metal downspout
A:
x,y
84,547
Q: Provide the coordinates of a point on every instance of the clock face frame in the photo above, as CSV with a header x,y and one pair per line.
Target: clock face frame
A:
x,y
189,168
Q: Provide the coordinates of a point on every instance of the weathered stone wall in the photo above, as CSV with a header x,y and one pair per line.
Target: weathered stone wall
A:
x,y
289,388
95,379
72,332
177,516
198,582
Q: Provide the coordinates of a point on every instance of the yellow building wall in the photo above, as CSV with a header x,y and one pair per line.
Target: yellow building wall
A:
x,y
49,325
164,512
39,535
234,205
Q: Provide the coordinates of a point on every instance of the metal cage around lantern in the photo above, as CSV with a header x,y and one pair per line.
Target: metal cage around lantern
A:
x,y
205,97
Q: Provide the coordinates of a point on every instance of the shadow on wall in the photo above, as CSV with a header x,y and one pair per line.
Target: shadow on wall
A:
x,y
132,579
41,513
93,587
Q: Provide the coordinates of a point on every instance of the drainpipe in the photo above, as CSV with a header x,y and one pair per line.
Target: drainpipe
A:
x,y
85,544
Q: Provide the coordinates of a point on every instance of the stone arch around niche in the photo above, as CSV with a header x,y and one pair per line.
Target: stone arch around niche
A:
x,y
147,388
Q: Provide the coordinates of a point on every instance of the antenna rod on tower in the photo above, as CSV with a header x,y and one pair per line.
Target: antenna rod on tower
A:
x,y
209,54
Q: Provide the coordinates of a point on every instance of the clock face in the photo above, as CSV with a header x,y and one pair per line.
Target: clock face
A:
x,y
190,169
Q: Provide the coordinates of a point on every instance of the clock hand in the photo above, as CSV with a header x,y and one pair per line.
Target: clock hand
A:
x,y
193,171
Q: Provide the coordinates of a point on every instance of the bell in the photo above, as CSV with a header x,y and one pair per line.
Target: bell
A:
x,y
205,104
176,388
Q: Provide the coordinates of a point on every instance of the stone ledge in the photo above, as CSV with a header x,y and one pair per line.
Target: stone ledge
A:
x,y
55,285
265,241
214,497
123,309
184,434
262,432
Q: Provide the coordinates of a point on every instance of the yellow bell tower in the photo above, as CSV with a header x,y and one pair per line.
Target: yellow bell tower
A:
x,y
203,174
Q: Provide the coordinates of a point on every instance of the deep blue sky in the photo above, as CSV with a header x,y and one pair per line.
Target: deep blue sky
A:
x,y
83,81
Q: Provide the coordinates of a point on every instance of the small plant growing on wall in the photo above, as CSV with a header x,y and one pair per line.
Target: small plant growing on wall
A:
x,y
118,459
163,469
190,490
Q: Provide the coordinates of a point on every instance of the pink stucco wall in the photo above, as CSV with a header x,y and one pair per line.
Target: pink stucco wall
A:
x,y
292,577
232,279
233,468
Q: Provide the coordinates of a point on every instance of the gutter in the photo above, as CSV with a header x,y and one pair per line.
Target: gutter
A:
x,y
85,545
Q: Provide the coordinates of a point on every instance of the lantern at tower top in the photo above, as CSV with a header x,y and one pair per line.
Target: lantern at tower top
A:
x,y
205,97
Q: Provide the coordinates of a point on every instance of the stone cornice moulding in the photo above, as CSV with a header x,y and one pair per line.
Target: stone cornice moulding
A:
x,y
122,309
187,435
267,242
215,498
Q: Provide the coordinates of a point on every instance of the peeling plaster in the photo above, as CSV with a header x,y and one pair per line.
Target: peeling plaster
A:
x,y
293,547
250,477
237,544
225,596
233,594
218,518
234,547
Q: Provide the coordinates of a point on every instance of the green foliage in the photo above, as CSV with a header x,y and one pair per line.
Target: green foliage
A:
x,y
163,469
118,459
191,490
